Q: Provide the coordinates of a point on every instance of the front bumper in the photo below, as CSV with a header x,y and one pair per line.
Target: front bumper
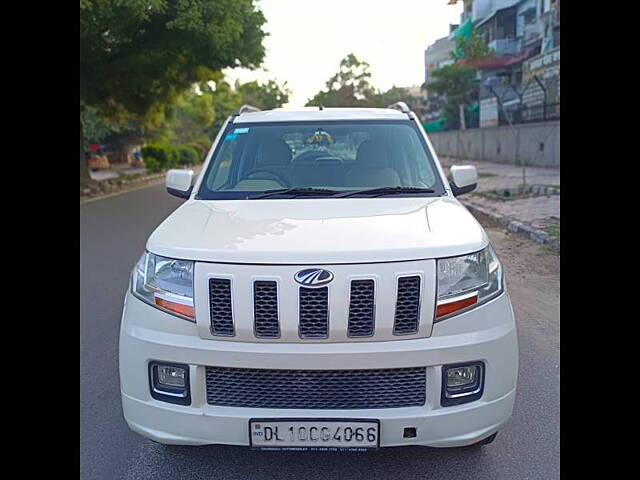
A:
x,y
486,333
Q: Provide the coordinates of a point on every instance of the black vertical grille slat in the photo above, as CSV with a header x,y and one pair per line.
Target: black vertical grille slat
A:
x,y
361,308
220,307
407,315
313,315
265,309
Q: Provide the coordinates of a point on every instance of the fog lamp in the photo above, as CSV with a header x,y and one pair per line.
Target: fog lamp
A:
x,y
462,383
459,378
169,382
172,377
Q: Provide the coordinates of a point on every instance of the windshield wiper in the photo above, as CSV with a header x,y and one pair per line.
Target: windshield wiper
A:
x,y
296,191
377,192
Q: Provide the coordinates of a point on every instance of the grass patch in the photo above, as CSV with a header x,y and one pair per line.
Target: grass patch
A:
x,y
552,230
486,175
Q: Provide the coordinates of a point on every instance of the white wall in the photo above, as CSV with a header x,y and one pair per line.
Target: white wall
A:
x,y
502,144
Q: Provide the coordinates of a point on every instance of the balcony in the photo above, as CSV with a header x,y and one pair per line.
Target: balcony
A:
x,y
552,17
505,46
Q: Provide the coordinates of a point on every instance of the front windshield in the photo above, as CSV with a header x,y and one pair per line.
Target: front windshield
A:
x,y
339,156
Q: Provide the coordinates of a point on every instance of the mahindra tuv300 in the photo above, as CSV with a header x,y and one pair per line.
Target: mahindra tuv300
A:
x,y
320,288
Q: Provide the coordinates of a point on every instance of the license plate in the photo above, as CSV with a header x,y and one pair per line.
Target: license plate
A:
x,y
314,434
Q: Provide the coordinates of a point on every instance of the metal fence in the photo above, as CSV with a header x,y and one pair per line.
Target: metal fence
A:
x,y
536,100
527,114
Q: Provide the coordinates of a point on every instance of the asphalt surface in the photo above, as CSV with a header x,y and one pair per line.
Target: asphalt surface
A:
x,y
113,234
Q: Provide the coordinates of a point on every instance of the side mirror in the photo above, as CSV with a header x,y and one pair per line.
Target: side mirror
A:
x,y
464,179
179,182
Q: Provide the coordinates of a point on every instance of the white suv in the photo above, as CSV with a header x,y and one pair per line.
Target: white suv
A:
x,y
321,288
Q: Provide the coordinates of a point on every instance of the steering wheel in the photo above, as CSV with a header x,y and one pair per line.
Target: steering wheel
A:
x,y
281,179
309,156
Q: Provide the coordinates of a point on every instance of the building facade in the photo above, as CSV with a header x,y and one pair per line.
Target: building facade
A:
x,y
523,74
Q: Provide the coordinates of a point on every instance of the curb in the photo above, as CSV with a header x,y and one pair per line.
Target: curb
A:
x,y
134,184
538,236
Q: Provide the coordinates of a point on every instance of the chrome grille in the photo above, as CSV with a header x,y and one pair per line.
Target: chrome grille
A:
x,y
220,307
313,312
361,308
407,306
316,389
265,309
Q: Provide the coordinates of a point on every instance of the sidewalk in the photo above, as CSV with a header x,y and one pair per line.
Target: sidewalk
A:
x,y
115,172
536,217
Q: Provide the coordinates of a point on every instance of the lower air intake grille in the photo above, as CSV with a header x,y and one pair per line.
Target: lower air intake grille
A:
x,y
220,307
265,309
316,389
361,311
314,312
407,306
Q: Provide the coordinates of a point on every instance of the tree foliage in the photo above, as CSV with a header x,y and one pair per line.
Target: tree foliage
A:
x,y
199,112
471,48
455,81
458,84
186,119
349,87
138,55
264,96
393,95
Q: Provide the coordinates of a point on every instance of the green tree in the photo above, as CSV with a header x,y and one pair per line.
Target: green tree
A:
x,y
225,102
458,84
199,112
349,87
186,119
471,48
393,95
136,56
264,96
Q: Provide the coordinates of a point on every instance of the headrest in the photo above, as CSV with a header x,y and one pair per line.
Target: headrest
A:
x,y
273,151
372,154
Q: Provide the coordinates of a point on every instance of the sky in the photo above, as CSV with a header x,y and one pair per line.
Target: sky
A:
x,y
308,38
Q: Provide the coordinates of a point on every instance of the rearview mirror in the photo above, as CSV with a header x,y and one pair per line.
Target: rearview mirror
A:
x,y
464,179
179,182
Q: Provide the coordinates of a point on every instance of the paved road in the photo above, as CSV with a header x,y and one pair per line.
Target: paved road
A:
x,y
113,234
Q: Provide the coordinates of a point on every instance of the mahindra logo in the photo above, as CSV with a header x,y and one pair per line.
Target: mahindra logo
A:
x,y
313,277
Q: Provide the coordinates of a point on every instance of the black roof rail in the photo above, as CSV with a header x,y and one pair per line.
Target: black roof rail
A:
x,y
400,106
247,109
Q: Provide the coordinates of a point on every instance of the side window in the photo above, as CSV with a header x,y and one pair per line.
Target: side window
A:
x,y
418,155
220,172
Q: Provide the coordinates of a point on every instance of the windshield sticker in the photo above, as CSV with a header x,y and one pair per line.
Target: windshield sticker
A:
x,y
230,136
238,131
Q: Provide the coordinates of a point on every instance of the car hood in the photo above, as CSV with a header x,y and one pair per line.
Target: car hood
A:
x,y
318,231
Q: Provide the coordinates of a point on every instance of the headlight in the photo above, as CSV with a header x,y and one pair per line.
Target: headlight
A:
x,y
165,283
467,281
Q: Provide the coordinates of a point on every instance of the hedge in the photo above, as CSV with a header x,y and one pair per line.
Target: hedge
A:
x,y
165,156
187,155
159,157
